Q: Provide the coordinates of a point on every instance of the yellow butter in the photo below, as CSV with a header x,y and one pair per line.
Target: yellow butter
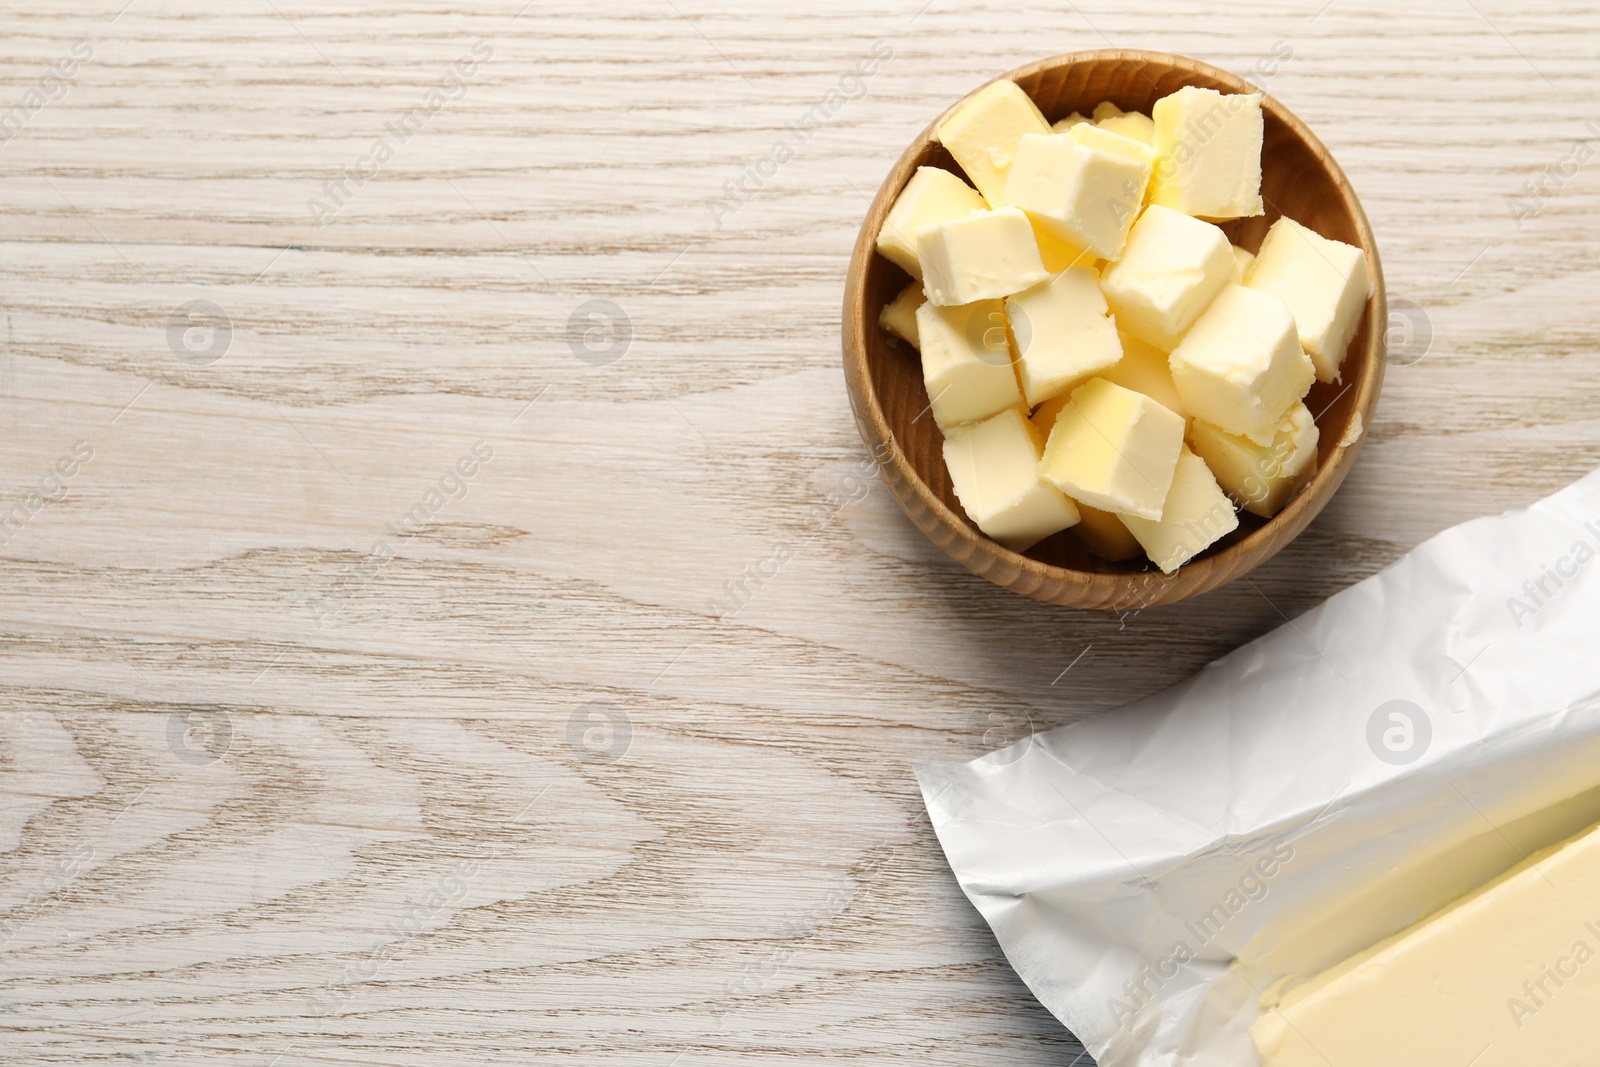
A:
x,y
1089,195
1507,977
1260,478
1114,449
1063,333
931,196
966,362
1195,515
1240,367
983,133
1172,268
899,316
1325,285
1208,153
993,467
981,256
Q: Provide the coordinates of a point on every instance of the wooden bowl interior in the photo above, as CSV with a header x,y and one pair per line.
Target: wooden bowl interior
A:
x,y
1298,180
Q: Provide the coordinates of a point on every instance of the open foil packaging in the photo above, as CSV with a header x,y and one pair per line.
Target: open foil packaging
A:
x,y
1153,872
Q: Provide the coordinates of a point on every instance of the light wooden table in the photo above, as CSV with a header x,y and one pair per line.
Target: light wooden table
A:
x,y
328,741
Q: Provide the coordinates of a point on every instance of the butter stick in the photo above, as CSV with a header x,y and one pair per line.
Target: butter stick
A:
x,y
1507,977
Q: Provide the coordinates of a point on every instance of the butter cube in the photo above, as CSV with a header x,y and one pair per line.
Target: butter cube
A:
x,y
931,196
1063,333
899,316
981,256
1208,153
1260,478
1195,516
993,466
1096,136
1144,369
1088,195
983,133
1325,284
1242,261
1105,535
966,362
1114,449
1240,366
1170,271
1067,123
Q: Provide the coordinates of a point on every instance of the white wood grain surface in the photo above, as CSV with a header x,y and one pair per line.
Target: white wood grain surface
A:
x,y
315,749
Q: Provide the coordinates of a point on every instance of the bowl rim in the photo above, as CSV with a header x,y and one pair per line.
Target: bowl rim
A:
x,y
1096,588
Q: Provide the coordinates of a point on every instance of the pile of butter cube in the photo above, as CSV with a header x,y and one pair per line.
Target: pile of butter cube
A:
x,y
1097,353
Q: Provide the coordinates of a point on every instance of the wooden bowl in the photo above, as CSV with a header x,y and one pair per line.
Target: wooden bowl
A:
x,y
1298,178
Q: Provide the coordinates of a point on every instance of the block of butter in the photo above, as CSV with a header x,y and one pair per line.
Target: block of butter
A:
x,y
981,256
1260,478
966,362
1063,333
1324,283
1171,269
1196,514
1507,977
1088,194
983,133
899,316
1240,366
931,196
993,468
1208,153
1114,449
